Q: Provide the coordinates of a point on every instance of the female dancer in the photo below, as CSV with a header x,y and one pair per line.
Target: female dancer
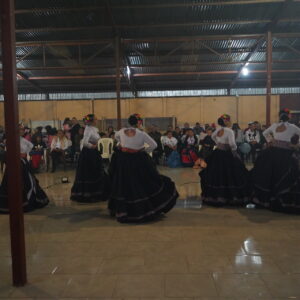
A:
x,y
91,182
140,193
33,195
276,173
225,180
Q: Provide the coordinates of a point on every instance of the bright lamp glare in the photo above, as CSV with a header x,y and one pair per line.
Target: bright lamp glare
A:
x,y
128,71
245,71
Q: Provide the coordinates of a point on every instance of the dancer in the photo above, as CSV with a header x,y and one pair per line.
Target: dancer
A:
x,y
91,182
140,193
276,173
33,195
225,180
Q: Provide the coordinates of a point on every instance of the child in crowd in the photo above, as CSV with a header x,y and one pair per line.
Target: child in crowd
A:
x,y
37,152
207,144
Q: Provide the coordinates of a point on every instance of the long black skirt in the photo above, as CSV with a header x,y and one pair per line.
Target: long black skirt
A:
x,y
225,180
276,180
33,195
139,192
91,182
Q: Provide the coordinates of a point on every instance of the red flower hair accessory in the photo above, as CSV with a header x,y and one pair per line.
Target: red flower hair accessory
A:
x,y
225,117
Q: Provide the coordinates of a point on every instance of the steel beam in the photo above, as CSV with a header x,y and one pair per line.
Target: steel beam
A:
x,y
156,25
166,39
269,78
11,113
147,6
157,74
118,81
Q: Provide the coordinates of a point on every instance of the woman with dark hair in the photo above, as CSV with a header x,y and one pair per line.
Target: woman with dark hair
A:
x,y
276,173
140,193
33,195
91,182
225,180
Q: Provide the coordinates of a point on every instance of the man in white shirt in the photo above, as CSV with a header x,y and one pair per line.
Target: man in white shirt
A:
x,y
252,137
169,143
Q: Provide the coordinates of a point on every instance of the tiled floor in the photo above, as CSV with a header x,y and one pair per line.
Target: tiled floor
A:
x,y
78,252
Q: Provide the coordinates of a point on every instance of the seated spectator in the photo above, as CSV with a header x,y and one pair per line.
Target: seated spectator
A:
x,y
169,143
27,134
110,130
252,137
37,132
37,152
198,129
207,144
67,124
189,152
186,127
177,134
169,128
58,147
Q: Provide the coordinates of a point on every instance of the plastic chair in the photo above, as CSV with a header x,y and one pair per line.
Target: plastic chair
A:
x,y
105,147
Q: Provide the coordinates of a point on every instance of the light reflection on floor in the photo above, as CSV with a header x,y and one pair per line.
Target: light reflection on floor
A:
x,y
195,252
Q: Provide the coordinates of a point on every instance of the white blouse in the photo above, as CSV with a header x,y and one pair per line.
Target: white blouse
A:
x,y
286,135
136,142
90,136
170,142
25,146
227,138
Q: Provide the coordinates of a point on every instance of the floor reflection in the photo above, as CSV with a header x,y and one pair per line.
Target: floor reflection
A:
x,y
195,252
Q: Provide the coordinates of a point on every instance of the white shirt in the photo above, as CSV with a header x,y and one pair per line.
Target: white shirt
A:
x,y
25,146
286,135
227,138
90,136
136,142
170,141
190,140
62,144
252,136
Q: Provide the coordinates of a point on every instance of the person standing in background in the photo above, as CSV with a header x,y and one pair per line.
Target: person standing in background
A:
x,y
73,133
156,136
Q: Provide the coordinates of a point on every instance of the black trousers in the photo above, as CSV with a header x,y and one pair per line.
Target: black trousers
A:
x,y
56,156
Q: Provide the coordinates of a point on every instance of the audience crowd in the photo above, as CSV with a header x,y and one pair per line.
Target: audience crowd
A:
x,y
178,146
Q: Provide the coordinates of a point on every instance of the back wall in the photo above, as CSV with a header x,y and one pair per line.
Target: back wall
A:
x,y
242,109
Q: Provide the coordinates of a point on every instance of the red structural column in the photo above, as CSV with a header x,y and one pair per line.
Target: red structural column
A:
x,y
13,170
118,80
269,78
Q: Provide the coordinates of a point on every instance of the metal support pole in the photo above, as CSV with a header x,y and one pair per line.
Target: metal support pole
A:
x,y
269,78
13,170
118,80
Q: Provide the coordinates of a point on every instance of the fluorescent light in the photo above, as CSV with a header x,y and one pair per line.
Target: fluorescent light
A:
x,y
245,71
128,71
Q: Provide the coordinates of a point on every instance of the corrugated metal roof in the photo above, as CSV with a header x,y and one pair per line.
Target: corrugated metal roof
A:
x,y
176,37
